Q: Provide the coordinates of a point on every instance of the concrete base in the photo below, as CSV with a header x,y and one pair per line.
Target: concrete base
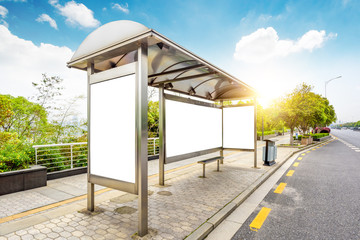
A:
x,y
66,173
21,180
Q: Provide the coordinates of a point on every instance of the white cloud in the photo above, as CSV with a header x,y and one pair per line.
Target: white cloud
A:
x,y
4,23
46,18
124,8
3,11
23,62
76,14
264,44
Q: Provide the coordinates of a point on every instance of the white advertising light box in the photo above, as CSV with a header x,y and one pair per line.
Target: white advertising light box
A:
x,y
191,128
239,127
112,129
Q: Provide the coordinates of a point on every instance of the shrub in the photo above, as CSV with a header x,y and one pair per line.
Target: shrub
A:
x,y
259,134
314,136
12,158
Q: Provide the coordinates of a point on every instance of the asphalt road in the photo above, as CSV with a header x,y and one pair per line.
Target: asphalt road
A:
x,y
350,136
321,200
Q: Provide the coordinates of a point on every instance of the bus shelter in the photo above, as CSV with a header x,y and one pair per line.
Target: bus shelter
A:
x,y
122,59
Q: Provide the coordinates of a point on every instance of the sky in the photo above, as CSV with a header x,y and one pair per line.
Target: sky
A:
x,y
270,45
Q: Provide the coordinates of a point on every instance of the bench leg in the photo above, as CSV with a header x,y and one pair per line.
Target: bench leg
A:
x,y
203,170
218,165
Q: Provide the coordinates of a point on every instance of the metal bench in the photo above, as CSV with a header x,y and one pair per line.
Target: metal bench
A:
x,y
209,160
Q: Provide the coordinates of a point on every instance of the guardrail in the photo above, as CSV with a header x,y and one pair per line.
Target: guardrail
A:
x,y
57,157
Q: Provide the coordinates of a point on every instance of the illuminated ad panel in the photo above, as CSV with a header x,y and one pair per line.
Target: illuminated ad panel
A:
x,y
112,129
191,128
239,127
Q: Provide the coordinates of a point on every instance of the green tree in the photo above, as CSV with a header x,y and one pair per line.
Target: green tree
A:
x,y
5,110
153,119
27,119
289,109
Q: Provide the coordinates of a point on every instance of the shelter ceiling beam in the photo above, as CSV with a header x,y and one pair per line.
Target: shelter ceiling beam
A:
x,y
177,70
227,89
185,78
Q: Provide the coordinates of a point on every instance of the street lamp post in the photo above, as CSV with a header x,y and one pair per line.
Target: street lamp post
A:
x,y
326,82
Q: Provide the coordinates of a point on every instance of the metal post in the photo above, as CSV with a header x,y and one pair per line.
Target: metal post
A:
x,y
90,197
162,136
141,137
36,156
90,186
71,156
222,132
154,146
255,135
262,138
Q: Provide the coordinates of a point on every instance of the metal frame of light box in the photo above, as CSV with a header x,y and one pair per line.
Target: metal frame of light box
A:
x,y
140,187
162,133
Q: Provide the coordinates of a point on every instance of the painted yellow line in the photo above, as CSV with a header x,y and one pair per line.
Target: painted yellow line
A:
x,y
280,188
299,158
296,164
40,209
290,173
256,224
317,147
307,151
303,154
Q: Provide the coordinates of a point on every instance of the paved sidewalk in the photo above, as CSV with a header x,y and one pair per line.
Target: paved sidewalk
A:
x,y
174,211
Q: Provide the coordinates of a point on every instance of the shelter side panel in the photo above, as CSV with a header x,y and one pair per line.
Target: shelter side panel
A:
x,y
112,129
191,128
239,127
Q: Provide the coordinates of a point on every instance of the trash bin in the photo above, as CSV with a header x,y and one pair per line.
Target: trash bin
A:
x,y
269,152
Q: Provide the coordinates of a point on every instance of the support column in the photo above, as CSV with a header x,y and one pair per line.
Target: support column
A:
x,y
222,131
255,135
162,135
141,137
90,186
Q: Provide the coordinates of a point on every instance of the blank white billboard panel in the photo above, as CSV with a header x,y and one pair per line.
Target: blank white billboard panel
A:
x,y
112,129
191,128
239,127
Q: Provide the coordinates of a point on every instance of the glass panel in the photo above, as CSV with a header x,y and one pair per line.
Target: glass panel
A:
x,y
191,128
239,127
112,129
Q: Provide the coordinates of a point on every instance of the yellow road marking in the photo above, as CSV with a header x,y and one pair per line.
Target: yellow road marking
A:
x,y
299,158
256,224
280,188
290,173
296,164
307,151
313,149
303,154
40,209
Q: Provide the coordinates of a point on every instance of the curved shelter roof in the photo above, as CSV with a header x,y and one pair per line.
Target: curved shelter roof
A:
x,y
115,44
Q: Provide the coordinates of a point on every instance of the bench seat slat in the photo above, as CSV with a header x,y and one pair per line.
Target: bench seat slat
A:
x,y
210,160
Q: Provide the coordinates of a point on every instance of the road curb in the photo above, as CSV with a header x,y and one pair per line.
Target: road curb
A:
x,y
208,226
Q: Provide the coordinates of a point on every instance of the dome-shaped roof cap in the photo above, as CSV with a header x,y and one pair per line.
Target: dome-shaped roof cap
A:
x,y
108,35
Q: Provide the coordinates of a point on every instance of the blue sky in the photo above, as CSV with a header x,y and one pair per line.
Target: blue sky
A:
x,y
271,45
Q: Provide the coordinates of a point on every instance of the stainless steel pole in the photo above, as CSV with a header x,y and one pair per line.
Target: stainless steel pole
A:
x,y
162,136
141,139
90,186
71,156
255,135
222,132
